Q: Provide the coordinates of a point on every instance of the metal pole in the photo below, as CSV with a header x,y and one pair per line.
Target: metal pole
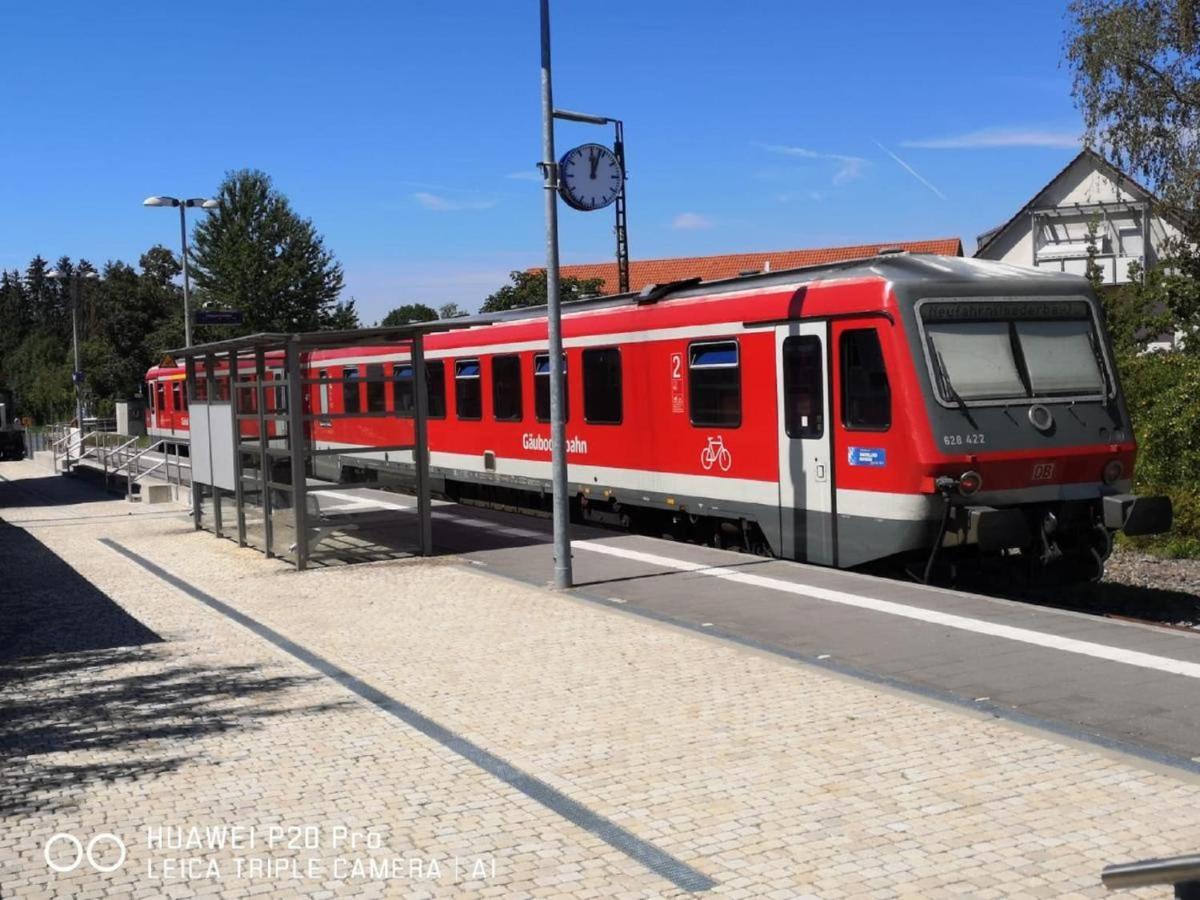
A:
x,y
421,444
187,309
622,231
75,345
558,430
297,445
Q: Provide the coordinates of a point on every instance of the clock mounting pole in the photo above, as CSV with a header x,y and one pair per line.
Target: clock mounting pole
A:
x,y
558,430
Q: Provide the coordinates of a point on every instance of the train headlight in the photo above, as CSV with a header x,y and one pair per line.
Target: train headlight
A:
x,y
969,483
1113,470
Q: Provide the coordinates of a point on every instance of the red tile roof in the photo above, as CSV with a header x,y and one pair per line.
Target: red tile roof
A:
x,y
659,271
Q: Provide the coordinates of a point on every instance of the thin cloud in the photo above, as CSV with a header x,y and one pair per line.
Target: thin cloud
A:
x,y
910,170
986,138
849,167
690,221
438,203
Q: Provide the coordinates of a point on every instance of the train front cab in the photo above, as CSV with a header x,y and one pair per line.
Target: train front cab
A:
x,y
990,427
1030,450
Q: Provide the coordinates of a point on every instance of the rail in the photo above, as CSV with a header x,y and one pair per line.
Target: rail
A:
x,y
1181,871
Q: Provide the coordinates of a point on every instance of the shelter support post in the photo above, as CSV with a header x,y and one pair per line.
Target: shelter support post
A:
x,y
264,458
296,446
197,490
421,446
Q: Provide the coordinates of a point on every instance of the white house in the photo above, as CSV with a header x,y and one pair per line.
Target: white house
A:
x,y
1090,200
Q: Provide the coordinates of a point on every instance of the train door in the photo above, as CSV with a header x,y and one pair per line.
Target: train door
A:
x,y
806,513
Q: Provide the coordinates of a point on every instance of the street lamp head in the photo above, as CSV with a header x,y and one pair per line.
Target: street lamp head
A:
x,y
210,204
160,201
198,202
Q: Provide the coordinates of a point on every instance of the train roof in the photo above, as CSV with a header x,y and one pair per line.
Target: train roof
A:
x,y
897,267
951,274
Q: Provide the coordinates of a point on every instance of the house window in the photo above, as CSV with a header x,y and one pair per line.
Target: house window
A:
x,y
715,384
866,395
541,388
376,390
468,392
351,398
506,388
602,386
803,395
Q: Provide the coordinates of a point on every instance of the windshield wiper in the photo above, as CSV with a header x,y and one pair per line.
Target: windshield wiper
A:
x,y
948,388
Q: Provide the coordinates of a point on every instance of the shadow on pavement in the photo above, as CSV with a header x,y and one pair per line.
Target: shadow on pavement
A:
x,y
46,607
51,490
79,675
116,710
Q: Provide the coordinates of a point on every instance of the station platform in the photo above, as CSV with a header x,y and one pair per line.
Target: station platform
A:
x,y
686,721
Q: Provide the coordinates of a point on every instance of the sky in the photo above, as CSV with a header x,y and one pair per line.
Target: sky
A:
x,y
409,132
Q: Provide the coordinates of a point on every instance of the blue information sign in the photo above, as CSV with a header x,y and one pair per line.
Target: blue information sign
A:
x,y
868,456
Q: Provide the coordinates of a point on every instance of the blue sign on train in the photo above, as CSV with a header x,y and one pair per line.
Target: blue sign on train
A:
x,y
868,456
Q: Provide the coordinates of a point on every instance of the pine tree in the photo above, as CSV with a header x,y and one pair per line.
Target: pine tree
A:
x,y
255,254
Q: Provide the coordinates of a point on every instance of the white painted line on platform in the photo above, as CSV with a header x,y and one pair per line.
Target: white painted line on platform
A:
x,y
933,617
364,502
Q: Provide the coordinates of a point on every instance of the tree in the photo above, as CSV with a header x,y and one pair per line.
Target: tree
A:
x,y
451,311
410,312
255,254
1136,66
529,289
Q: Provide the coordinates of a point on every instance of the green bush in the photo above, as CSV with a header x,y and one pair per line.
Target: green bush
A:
x,y
1162,391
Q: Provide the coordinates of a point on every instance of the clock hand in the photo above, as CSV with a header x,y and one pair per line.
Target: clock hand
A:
x,y
594,159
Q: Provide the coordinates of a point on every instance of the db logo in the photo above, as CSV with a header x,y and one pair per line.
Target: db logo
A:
x,y
81,853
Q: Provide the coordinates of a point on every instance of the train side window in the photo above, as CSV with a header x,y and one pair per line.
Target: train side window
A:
x,y
541,388
506,388
468,392
803,390
323,375
183,396
222,387
866,394
602,386
160,394
150,394
200,387
435,389
376,390
715,384
404,397
351,399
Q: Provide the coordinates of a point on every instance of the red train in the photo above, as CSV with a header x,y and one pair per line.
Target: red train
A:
x,y
895,407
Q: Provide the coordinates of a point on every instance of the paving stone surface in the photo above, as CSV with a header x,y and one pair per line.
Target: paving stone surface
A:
x,y
771,778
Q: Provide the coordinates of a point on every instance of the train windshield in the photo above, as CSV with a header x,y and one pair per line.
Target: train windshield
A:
x,y
1012,350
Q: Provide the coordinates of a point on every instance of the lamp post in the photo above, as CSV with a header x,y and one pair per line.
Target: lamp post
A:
x,y
77,372
183,205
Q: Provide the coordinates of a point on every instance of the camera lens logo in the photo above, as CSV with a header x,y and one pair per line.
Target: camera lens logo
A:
x,y
81,853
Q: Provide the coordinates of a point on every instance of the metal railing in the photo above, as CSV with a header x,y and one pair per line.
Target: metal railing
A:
x,y
1181,871
137,463
118,454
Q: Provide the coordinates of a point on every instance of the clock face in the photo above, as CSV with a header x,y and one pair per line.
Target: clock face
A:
x,y
589,177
